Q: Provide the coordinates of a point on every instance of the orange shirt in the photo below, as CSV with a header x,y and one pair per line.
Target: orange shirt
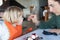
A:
x,y
14,31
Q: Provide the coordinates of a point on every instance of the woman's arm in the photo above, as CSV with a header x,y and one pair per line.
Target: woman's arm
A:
x,y
50,24
44,25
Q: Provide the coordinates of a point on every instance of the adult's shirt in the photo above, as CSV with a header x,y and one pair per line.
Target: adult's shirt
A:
x,y
52,23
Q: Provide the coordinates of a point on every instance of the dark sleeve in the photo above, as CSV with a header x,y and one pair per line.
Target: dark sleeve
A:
x,y
50,24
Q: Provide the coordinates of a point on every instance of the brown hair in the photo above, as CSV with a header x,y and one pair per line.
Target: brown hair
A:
x,y
57,1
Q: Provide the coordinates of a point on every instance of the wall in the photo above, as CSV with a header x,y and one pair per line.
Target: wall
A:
x,y
28,3
36,3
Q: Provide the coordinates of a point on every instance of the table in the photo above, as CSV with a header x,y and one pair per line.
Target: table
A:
x,y
39,32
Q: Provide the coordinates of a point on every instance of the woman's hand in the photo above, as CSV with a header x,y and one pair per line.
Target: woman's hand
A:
x,y
34,18
55,30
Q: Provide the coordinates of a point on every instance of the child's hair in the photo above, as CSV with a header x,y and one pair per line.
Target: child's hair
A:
x,y
12,14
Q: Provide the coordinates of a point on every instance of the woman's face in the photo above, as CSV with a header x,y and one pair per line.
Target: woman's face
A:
x,y
54,7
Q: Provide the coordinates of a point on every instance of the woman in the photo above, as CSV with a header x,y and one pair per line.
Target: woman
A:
x,y
11,27
54,21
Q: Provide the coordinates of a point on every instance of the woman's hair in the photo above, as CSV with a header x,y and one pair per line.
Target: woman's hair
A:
x,y
12,14
57,1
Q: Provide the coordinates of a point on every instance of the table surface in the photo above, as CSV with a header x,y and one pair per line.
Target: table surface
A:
x,y
39,33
